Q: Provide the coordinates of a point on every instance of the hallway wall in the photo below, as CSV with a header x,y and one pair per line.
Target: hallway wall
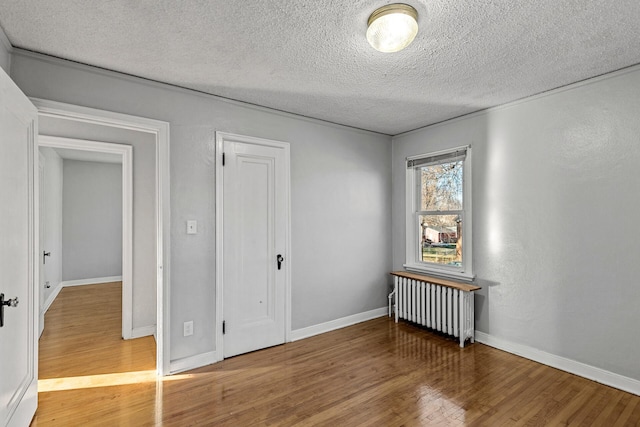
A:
x,y
91,220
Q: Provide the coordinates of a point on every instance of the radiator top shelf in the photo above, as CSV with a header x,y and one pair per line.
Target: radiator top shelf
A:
x,y
436,280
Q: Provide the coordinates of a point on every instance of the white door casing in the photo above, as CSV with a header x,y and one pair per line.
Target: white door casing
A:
x,y
18,255
254,294
42,282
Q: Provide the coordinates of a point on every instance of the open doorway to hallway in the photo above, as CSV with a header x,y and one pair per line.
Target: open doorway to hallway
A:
x,y
150,141
86,222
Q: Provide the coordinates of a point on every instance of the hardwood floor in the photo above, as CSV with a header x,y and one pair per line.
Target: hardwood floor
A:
x,y
376,373
81,349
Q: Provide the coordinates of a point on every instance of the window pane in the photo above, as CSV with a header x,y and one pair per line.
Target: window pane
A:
x,y
441,239
441,187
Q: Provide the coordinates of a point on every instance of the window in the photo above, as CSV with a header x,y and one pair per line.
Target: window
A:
x,y
439,213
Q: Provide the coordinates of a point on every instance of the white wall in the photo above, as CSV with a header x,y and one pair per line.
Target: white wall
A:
x,y
549,175
52,219
5,52
144,237
340,192
91,220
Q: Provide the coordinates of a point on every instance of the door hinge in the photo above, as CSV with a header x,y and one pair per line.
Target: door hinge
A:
x,y
223,159
224,327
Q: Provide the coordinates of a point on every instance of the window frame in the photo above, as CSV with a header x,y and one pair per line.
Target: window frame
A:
x,y
413,241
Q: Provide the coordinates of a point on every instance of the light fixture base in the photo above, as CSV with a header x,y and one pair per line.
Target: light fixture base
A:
x,y
393,8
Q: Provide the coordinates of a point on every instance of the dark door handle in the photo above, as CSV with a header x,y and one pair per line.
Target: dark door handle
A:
x,y
44,256
10,302
279,258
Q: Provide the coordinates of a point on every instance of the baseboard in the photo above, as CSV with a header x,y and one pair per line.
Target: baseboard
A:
x,y
192,362
143,331
52,298
200,360
93,281
568,365
332,325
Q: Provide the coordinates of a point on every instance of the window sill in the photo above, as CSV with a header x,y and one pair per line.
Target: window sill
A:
x,y
445,274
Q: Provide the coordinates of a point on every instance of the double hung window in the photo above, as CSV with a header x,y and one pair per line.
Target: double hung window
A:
x,y
439,213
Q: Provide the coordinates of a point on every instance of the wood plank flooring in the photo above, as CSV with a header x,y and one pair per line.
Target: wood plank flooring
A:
x,y
376,373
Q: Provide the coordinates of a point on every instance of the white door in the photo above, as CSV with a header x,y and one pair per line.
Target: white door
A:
x,y
256,227
18,264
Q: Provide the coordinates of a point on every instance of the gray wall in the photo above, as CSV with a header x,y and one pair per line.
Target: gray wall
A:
x,y
555,205
341,194
52,219
144,224
91,220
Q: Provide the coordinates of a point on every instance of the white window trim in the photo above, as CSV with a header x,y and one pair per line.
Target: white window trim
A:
x,y
464,272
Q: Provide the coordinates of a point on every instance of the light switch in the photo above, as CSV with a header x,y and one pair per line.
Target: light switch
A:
x,y
192,226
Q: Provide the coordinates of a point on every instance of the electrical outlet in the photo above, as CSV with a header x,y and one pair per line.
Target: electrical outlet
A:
x,y
188,328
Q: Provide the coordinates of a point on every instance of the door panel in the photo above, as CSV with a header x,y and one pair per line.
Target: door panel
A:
x,y
255,233
256,275
18,336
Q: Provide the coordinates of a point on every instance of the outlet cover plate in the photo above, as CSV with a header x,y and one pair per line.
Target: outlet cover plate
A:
x,y
188,328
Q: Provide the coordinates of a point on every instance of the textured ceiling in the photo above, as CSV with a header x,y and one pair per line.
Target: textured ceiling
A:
x,y
312,58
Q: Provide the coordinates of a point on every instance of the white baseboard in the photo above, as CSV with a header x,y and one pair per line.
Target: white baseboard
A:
x,y
332,325
93,281
568,365
143,331
192,362
200,360
52,298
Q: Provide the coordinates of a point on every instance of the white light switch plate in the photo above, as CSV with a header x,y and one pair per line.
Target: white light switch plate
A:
x,y
192,226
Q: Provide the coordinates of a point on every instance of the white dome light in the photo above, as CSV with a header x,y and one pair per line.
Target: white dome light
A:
x,y
392,27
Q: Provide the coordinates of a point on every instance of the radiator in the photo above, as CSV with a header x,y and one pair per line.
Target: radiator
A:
x,y
437,304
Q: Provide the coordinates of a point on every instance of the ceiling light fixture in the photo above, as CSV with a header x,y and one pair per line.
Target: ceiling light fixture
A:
x,y
393,27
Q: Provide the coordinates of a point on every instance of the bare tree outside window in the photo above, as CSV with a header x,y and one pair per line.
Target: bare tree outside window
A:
x,y
440,216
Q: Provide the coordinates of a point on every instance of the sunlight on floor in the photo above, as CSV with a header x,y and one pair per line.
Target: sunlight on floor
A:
x,y
103,380
435,407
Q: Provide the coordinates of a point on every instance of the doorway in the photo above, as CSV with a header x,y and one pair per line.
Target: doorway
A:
x,y
98,153
158,133
253,277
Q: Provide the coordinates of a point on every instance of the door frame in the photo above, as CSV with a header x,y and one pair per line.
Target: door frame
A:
x,y
221,137
41,230
160,132
126,157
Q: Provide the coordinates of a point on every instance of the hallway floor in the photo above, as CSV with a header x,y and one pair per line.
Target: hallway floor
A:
x,y
89,375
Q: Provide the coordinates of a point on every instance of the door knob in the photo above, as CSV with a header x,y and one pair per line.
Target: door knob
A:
x,y
279,258
44,256
10,302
